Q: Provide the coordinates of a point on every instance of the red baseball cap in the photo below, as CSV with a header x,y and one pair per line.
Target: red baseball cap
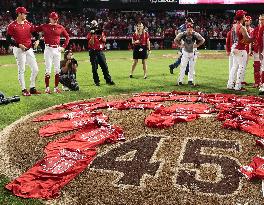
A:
x,y
189,25
22,10
240,13
248,18
54,15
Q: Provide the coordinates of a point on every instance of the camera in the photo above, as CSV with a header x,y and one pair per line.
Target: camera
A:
x,y
93,28
5,100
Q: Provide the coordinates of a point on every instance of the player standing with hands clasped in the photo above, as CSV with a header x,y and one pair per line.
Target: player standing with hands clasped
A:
x,y
19,34
141,50
52,53
191,40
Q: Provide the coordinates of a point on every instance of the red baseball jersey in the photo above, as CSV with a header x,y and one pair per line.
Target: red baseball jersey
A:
x,y
143,38
52,34
98,43
254,34
228,42
21,33
240,45
260,39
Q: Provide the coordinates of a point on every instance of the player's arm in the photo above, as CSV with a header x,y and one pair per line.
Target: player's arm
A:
x,y
200,40
67,38
9,38
246,37
228,43
177,40
35,33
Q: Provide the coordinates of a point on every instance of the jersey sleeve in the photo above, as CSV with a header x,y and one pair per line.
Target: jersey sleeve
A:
x,y
228,42
66,36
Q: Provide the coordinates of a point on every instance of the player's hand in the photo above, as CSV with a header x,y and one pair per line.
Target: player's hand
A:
x,y
62,49
261,56
195,45
36,43
22,47
181,46
137,42
228,53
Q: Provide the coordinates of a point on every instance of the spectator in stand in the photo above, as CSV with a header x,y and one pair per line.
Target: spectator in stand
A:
x,y
115,45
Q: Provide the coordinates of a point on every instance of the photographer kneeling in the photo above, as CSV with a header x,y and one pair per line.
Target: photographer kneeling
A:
x,y
68,72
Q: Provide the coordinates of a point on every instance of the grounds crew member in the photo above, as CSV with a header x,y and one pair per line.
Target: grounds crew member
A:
x,y
141,43
96,43
19,33
239,52
191,40
52,53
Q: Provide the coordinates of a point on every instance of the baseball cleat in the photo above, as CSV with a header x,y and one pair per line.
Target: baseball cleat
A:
x,y
47,90
34,91
57,90
25,92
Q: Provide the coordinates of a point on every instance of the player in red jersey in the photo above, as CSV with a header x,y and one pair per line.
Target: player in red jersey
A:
x,y
52,53
256,65
19,33
248,21
261,53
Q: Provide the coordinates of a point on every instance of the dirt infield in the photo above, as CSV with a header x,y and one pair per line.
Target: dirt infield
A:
x,y
189,163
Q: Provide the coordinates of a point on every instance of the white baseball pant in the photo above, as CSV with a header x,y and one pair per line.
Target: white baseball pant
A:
x,y
23,58
238,69
187,57
52,56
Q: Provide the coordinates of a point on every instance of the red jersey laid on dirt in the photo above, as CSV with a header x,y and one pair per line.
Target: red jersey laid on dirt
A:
x,y
52,34
98,44
143,38
65,159
21,33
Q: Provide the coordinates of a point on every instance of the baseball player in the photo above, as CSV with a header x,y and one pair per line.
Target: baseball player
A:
x,y
248,21
256,65
241,38
230,41
141,49
191,40
52,53
182,28
261,54
19,33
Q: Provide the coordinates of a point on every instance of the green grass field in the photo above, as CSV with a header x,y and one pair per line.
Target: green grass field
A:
x,y
211,76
